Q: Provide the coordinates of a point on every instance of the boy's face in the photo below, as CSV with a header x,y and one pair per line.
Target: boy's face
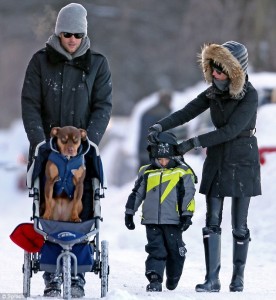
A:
x,y
163,161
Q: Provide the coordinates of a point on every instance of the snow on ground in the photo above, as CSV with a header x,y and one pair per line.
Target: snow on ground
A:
x,y
126,248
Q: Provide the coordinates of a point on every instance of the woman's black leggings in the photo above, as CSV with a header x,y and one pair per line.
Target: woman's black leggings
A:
x,y
239,212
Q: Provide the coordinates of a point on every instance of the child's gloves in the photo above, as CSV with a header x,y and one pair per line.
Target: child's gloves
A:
x,y
185,222
129,222
153,134
188,145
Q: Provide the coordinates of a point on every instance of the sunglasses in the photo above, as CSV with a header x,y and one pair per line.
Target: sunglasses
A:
x,y
68,35
217,70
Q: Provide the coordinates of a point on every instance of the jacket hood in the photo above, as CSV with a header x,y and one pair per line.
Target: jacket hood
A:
x,y
83,149
221,55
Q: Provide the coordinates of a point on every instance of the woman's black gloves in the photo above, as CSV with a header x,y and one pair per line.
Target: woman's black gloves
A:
x,y
188,145
153,134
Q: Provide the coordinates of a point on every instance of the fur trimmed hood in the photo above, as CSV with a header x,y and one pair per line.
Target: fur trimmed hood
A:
x,y
233,58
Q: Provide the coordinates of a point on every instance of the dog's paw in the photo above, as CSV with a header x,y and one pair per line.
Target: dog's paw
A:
x,y
75,219
46,216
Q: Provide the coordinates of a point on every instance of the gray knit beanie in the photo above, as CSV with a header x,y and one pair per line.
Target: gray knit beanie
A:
x,y
71,18
239,51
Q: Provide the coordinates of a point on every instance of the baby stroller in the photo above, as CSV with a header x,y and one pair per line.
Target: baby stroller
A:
x,y
63,248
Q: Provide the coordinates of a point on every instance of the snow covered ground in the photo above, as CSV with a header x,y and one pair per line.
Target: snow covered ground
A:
x,y
126,248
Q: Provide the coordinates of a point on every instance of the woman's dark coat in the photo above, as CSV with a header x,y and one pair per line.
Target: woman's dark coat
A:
x,y
58,92
232,165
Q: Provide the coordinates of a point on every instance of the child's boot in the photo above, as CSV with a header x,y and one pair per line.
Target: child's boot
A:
x,y
155,284
171,283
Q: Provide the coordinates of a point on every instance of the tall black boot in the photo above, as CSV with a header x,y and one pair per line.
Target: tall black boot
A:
x,y
240,249
212,248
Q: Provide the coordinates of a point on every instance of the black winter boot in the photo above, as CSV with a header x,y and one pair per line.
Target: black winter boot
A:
x,y
52,285
155,284
240,249
212,248
77,286
171,283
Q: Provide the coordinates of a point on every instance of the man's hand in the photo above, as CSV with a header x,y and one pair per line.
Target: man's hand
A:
x,y
153,134
129,222
185,222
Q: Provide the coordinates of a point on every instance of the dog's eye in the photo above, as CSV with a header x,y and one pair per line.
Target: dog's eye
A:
x,y
64,141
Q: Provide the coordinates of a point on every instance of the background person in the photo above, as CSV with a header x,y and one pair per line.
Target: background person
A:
x,y
149,118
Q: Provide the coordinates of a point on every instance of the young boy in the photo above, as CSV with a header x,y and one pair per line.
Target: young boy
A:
x,y
166,186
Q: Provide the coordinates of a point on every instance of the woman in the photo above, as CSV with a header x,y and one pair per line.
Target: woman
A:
x,y
231,168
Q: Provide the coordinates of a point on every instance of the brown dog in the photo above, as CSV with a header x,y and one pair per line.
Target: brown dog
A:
x,y
63,207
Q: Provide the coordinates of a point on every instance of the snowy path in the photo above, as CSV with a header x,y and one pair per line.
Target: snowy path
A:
x,y
126,248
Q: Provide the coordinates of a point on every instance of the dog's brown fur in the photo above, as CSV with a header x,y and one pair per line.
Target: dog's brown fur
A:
x,y
61,208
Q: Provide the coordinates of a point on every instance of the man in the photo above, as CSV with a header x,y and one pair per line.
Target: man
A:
x,y
232,166
66,83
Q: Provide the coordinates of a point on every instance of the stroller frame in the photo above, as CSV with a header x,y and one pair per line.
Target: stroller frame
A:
x,y
66,257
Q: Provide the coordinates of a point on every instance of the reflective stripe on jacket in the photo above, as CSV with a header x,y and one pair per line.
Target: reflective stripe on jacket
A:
x,y
166,194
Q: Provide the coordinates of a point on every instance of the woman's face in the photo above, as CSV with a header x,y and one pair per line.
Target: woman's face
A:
x,y
217,74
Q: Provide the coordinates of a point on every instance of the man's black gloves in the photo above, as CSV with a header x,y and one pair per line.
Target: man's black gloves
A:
x,y
188,145
185,222
153,134
129,222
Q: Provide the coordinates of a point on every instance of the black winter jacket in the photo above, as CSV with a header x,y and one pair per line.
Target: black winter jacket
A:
x,y
58,92
232,165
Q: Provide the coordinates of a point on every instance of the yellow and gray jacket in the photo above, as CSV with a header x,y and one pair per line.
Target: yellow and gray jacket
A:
x,y
167,194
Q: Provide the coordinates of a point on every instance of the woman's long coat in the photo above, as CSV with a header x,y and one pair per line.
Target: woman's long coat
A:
x,y
232,166
232,162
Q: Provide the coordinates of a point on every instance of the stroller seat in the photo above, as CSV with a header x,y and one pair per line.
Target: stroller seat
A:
x,y
68,248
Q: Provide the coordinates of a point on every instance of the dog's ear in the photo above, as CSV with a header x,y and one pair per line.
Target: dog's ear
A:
x,y
83,134
54,131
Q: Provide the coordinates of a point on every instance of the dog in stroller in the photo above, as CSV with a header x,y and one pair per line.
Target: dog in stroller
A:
x,y
64,250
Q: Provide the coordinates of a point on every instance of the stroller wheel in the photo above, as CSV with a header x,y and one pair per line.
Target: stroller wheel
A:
x,y
27,274
104,268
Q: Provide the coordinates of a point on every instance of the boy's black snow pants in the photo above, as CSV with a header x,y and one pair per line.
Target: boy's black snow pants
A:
x,y
165,249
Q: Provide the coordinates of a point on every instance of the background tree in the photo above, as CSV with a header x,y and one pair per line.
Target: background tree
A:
x,y
150,44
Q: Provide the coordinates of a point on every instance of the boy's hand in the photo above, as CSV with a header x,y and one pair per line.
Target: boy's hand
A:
x,y
185,222
129,222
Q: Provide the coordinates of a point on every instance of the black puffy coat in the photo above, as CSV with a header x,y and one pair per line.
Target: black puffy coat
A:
x,y
58,92
232,162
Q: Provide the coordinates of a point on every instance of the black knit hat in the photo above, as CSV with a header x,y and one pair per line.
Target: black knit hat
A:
x,y
239,51
166,146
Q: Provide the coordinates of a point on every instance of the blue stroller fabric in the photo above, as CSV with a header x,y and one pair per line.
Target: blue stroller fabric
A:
x,y
49,253
64,233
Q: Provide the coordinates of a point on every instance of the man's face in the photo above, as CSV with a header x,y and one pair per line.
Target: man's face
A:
x,y
70,44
